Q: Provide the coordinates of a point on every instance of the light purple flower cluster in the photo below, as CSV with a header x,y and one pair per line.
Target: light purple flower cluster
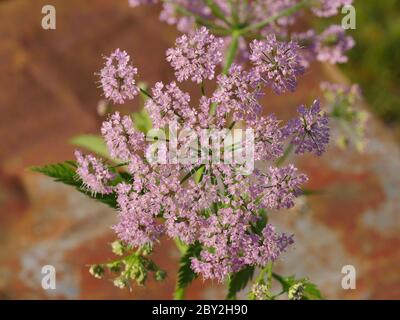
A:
x,y
196,56
310,132
230,245
121,138
279,187
169,104
332,44
137,216
183,13
329,8
306,41
220,210
95,175
268,138
184,23
276,63
117,78
247,12
235,93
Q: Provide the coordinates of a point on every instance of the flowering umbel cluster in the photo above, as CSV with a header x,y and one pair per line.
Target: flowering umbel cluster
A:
x,y
118,77
262,18
196,56
276,63
209,202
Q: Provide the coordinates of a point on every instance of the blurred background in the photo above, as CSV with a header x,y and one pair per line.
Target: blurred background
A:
x,y
49,93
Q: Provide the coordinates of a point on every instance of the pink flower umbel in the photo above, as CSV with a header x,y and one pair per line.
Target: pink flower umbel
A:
x,y
137,223
121,138
277,64
281,16
332,44
310,131
267,137
196,56
236,94
117,78
279,187
169,104
94,174
328,8
231,245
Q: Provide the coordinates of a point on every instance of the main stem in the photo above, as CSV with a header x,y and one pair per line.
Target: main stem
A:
x,y
179,293
232,51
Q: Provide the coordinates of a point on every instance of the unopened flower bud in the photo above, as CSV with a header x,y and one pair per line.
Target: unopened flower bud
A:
x,y
117,247
260,292
96,271
120,282
296,291
103,107
160,275
147,249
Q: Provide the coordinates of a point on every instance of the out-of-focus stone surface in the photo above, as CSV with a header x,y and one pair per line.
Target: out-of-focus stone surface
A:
x,y
49,94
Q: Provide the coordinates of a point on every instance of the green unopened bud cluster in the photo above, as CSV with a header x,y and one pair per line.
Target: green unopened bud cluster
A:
x,y
260,291
97,270
134,266
296,291
343,105
118,247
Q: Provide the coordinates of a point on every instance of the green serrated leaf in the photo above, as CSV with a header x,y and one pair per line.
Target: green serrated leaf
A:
x,y
185,273
238,281
63,172
311,292
91,142
66,173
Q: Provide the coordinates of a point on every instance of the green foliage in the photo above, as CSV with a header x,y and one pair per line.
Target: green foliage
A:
x,y
92,143
238,281
185,273
311,292
373,62
261,222
142,121
65,172
298,288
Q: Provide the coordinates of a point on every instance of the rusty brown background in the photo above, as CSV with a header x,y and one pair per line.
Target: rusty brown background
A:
x,y
48,93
